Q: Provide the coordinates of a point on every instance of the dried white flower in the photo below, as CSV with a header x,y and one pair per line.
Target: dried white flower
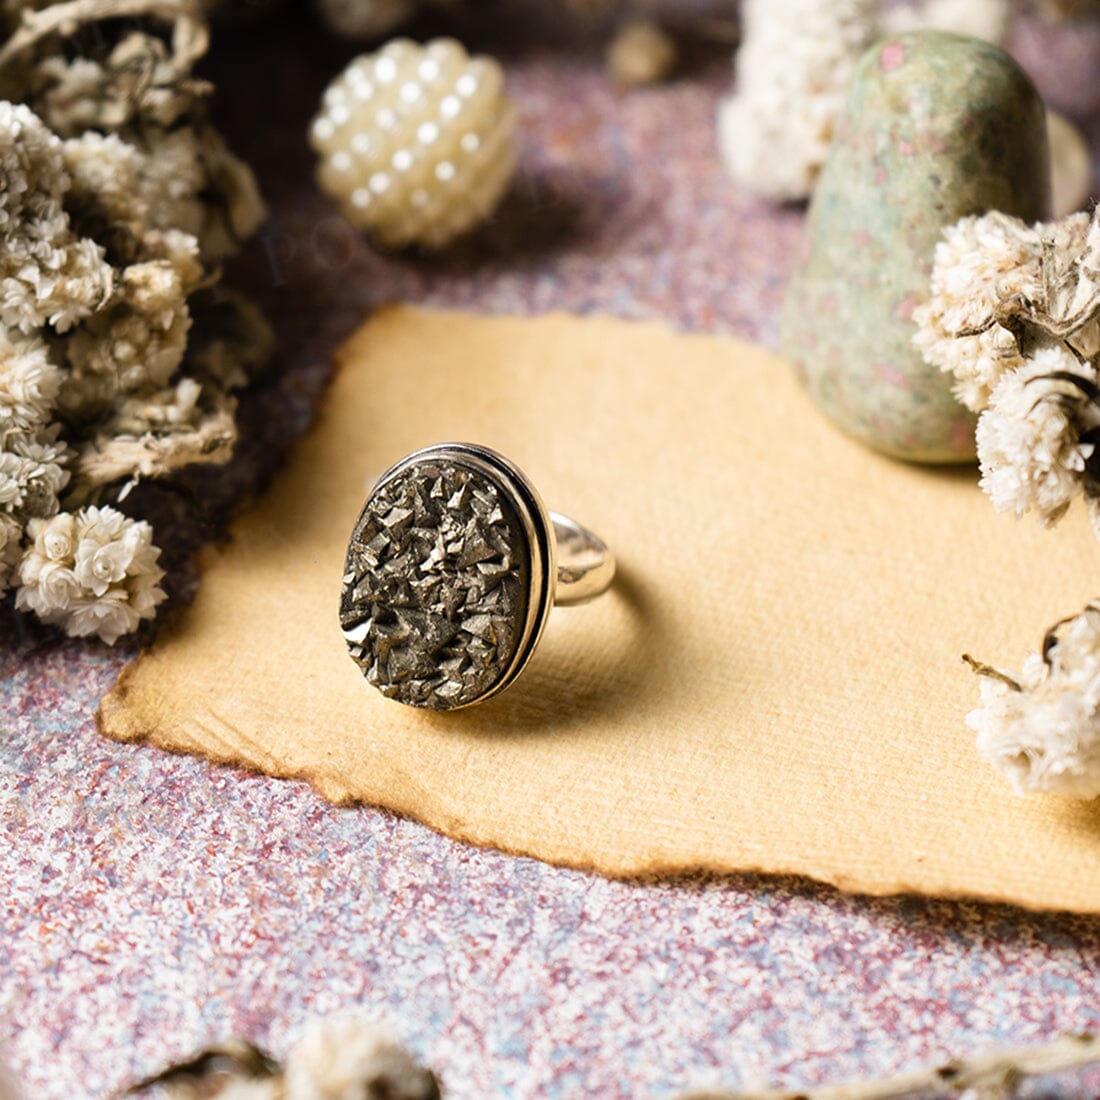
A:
x,y
29,382
92,573
138,343
978,262
1042,727
417,142
183,176
988,272
349,1057
106,190
793,68
32,472
1038,436
139,85
47,274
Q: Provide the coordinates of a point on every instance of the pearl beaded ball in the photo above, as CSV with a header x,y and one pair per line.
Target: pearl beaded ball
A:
x,y
417,142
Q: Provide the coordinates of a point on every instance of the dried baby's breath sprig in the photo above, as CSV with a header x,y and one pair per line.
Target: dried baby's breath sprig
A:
x,y
153,438
183,176
998,1075
1041,728
339,1058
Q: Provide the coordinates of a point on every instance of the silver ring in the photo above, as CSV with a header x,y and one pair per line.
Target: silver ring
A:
x,y
453,567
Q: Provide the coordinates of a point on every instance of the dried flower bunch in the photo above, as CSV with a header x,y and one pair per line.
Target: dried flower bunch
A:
x,y
417,142
1014,315
1041,726
338,1058
118,361
793,68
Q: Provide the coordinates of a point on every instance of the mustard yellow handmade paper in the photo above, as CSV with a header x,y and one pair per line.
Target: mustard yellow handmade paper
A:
x,y
774,683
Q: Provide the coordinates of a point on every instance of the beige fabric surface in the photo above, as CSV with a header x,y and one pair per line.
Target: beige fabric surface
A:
x,y
774,684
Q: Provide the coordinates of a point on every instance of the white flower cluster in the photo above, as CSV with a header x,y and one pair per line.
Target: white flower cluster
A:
x,y
92,573
1041,727
32,460
985,270
31,473
118,202
1037,437
47,273
793,68
1014,316
29,382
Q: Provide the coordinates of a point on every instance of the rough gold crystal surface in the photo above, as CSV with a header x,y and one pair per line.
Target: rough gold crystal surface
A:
x,y
435,586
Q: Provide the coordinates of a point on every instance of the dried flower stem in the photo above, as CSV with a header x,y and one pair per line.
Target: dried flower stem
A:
x,y
189,39
996,1074
992,673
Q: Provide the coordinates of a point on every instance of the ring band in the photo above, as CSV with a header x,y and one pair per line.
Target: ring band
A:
x,y
452,569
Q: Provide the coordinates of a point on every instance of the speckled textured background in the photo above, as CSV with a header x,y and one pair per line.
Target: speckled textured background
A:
x,y
150,904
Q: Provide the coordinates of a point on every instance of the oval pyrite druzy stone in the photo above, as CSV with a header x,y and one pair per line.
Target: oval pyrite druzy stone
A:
x,y
436,586
937,126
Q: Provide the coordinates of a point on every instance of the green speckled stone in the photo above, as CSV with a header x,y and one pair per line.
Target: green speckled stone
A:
x,y
937,126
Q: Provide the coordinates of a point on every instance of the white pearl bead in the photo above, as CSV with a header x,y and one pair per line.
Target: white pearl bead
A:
x,y
417,142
